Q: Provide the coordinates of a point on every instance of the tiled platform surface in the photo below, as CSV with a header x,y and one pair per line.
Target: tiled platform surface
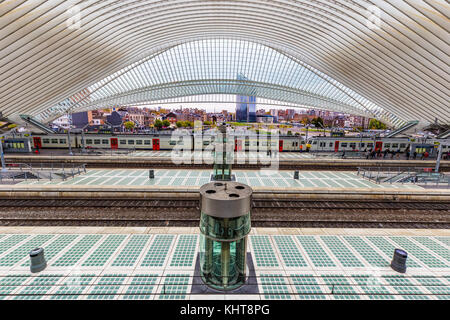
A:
x,y
158,263
196,178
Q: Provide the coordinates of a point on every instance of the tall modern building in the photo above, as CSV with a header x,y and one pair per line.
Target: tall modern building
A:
x,y
245,106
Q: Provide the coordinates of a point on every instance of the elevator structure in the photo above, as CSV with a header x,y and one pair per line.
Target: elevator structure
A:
x,y
223,156
224,226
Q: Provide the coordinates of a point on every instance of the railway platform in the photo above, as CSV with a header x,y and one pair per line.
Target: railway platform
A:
x,y
128,263
186,183
163,159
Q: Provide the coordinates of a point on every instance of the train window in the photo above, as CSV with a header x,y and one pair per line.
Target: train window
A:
x,y
402,145
96,141
387,145
362,144
62,141
147,142
46,140
273,143
303,142
138,141
205,143
105,141
54,140
123,141
370,145
172,143
353,145
395,145
314,142
344,144
89,141
247,143
331,144
130,141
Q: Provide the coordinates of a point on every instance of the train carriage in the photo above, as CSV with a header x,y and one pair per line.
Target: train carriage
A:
x,y
205,140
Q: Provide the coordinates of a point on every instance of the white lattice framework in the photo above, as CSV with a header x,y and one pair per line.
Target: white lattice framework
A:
x,y
335,54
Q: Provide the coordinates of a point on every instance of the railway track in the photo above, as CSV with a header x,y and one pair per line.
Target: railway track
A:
x,y
265,213
194,204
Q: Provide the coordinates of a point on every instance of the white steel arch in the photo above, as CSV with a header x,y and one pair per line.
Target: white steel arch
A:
x,y
400,64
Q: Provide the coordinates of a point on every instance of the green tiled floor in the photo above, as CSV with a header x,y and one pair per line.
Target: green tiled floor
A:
x,y
196,178
183,256
423,256
104,251
39,286
158,251
142,287
405,287
341,288
342,253
274,286
367,252
73,287
290,253
315,252
437,248
288,267
175,286
79,249
10,283
107,287
388,249
373,287
263,251
56,247
129,255
21,252
307,287
7,243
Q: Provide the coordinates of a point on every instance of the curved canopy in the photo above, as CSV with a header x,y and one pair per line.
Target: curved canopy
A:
x,y
334,55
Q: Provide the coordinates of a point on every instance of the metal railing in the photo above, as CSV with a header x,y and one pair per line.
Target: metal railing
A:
x,y
40,171
419,176
103,152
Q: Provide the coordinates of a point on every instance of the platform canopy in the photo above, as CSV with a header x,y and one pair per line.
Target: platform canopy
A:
x,y
383,59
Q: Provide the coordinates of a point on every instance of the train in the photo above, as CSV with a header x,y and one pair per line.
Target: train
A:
x,y
252,142
163,141
358,144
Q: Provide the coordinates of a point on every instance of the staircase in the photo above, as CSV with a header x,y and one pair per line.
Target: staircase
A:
x,y
407,126
444,135
35,123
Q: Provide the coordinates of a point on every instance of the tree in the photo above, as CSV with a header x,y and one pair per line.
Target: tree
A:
x,y
179,124
376,124
129,125
166,123
158,124
318,122
188,124
305,121
289,133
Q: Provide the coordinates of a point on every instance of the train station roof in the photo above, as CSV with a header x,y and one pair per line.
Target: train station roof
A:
x,y
382,59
